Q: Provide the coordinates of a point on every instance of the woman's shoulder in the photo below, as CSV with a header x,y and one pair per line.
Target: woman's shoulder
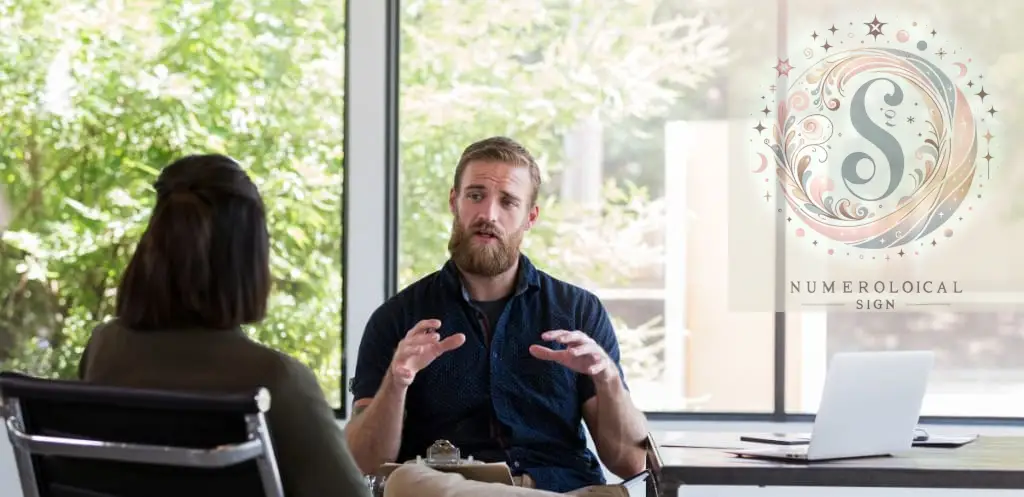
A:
x,y
283,369
106,331
295,392
108,327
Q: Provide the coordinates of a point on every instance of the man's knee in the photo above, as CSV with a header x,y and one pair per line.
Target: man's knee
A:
x,y
601,491
418,480
421,481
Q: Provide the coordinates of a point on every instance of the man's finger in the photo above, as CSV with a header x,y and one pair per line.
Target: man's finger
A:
x,y
424,325
590,348
543,353
553,335
568,337
425,338
453,342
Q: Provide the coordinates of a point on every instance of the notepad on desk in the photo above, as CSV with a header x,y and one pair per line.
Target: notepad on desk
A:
x,y
942,441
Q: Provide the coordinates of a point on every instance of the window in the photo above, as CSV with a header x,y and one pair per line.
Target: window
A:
x,y
98,96
644,116
602,93
977,373
977,333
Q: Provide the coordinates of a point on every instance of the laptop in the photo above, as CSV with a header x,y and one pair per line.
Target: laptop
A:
x,y
869,408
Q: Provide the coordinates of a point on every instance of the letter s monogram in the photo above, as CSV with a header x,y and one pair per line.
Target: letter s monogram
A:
x,y
879,137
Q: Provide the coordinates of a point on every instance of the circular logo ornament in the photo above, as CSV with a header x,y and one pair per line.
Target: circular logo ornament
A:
x,y
879,141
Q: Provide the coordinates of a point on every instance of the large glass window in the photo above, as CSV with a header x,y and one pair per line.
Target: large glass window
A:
x,y
97,96
604,94
646,117
977,371
969,244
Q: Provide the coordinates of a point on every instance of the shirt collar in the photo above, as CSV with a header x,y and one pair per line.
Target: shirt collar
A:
x,y
527,278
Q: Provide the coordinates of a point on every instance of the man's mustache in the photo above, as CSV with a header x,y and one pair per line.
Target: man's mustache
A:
x,y
486,228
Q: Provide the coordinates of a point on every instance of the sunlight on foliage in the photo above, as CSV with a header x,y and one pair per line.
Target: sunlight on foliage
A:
x,y
531,70
97,96
104,94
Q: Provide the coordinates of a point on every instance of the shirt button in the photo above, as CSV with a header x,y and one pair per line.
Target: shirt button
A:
x,y
515,464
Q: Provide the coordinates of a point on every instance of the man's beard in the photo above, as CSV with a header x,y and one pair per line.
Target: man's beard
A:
x,y
484,259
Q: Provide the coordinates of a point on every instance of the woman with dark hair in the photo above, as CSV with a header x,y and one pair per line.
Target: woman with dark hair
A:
x,y
200,271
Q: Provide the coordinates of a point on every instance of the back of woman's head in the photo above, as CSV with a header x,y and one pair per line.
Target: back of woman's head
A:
x,y
203,261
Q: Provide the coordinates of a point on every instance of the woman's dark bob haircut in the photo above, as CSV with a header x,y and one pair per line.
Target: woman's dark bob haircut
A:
x,y
203,261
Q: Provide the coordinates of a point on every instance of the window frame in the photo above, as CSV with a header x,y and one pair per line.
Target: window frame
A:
x,y
369,235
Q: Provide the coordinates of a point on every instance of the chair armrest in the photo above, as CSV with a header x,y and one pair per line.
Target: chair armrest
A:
x,y
654,465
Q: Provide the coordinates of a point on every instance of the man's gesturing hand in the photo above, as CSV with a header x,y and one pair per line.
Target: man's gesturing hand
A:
x,y
421,345
581,354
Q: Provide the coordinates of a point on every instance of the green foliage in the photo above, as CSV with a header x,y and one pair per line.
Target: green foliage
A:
x,y
96,98
532,70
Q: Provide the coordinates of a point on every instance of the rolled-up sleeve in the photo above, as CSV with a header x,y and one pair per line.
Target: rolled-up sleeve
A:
x,y
376,349
598,325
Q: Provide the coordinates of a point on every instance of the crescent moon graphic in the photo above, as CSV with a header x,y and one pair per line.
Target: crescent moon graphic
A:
x,y
764,164
962,67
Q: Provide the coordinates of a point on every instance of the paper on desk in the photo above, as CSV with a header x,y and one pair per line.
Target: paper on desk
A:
x,y
680,445
945,441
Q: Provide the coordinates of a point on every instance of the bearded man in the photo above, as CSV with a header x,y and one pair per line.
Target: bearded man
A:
x,y
494,355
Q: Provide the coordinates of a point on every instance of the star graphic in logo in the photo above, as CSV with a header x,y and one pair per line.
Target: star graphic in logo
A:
x,y
783,67
875,27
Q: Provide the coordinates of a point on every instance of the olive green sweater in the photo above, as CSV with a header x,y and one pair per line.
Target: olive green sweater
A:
x,y
312,456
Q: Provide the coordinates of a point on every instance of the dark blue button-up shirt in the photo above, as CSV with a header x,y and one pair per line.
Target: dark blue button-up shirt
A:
x,y
490,397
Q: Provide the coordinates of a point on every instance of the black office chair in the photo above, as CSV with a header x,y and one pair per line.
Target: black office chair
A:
x,y
73,439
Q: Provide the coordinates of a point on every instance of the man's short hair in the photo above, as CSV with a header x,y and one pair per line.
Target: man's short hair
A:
x,y
500,149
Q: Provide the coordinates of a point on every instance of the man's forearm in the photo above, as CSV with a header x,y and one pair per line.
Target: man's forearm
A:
x,y
375,434
621,429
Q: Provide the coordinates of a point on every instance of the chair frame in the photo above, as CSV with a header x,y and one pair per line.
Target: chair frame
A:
x,y
258,447
654,465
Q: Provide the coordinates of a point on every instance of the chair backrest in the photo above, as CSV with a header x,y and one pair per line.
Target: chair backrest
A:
x,y
74,439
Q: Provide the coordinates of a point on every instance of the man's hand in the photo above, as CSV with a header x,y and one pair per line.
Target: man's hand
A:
x,y
421,345
582,354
